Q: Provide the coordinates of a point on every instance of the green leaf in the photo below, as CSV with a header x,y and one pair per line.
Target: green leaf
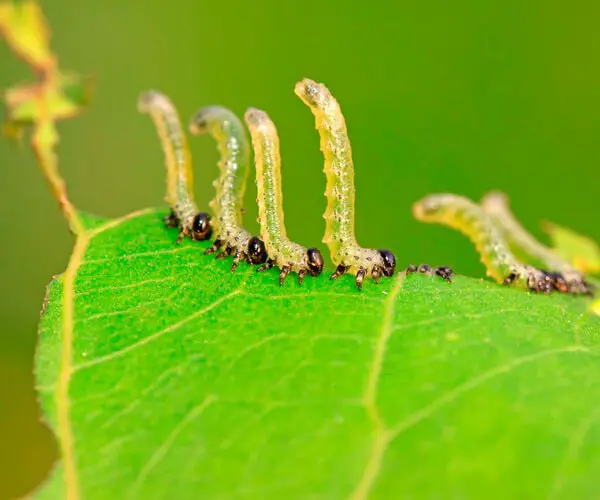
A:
x,y
166,376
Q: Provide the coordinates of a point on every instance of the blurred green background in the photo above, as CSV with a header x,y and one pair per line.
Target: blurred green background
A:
x,y
459,96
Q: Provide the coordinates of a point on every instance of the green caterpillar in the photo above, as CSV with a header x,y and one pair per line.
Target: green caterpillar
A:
x,y
469,218
339,237
228,131
282,252
491,226
567,279
184,213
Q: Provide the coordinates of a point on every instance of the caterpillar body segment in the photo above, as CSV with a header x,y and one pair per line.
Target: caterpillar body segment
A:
x,y
227,205
184,213
339,167
469,218
282,252
340,238
568,279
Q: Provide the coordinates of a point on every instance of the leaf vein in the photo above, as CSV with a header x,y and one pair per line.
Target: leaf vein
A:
x,y
163,449
370,396
575,443
156,335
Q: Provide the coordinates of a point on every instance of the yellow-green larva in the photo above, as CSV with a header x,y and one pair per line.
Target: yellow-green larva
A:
x,y
184,213
469,218
230,186
346,254
568,279
282,252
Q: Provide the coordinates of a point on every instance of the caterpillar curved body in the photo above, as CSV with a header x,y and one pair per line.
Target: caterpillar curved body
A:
x,y
469,218
496,205
339,237
184,213
228,131
282,252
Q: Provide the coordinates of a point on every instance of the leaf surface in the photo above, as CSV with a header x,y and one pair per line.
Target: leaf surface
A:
x,y
166,376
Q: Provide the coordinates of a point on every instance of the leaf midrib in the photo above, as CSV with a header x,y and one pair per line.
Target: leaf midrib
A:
x,y
61,394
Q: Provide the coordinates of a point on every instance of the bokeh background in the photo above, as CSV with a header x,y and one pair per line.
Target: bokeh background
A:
x,y
459,96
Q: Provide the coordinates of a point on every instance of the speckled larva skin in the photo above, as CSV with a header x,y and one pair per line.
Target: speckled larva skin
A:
x,y
178,162
227,205
339,170
230,186
496,205
282,252
469,218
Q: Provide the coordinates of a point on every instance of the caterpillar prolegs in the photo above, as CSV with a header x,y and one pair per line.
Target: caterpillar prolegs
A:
x,y
184,213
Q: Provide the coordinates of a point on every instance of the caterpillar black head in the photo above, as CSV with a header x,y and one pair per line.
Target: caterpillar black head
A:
x,y
257,254
389,262
201,228
558,282
315,261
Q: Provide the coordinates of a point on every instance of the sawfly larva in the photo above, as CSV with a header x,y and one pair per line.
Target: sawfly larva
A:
x,y
568,280
226,128
184,213
469,218
339,237
282,252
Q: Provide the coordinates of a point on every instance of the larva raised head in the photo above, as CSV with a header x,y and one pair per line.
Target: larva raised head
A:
x,y
184,213
226,128
346,254
282,252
